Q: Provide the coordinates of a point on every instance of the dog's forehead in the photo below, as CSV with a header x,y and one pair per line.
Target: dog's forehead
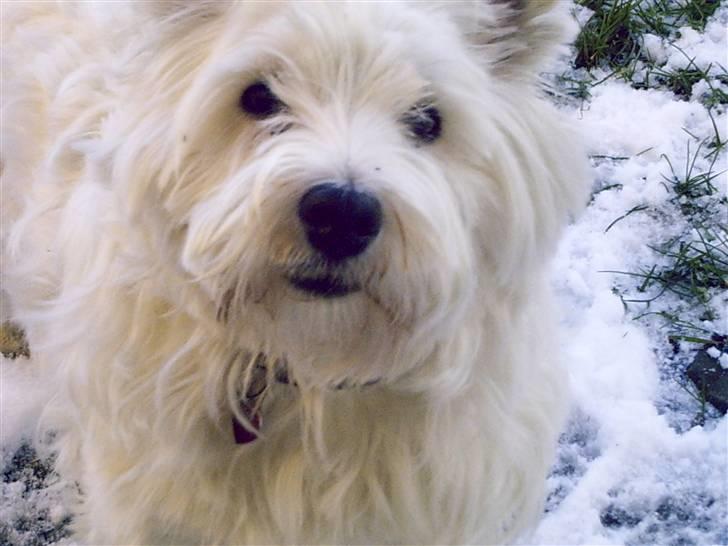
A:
x,y
317,40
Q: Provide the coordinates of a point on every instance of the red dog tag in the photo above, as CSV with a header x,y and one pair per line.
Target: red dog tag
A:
x,y
243,435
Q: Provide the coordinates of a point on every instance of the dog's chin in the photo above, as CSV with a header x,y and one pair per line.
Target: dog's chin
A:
x,y
323,286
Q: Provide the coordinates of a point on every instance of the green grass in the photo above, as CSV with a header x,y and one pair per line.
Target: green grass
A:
x,y
611,45
689,184
663,17
693,270
692,266
609,37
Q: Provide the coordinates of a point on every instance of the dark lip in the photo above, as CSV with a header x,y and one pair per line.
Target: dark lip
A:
x,y
326,286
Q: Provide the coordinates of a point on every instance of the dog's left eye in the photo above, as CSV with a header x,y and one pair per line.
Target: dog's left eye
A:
x,y
259,101
424,122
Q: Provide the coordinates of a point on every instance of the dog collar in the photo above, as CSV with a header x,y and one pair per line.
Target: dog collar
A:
x,y
251,403
241,434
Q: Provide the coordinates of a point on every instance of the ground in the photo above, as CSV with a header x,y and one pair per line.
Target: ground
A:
x,y
641,277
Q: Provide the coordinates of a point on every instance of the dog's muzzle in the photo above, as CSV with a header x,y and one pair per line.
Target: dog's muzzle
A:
x,y
340,223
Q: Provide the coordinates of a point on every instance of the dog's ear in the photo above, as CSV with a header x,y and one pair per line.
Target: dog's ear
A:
x,y
515,37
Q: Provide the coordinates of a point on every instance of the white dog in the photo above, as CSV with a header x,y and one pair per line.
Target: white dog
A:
x,y
285,262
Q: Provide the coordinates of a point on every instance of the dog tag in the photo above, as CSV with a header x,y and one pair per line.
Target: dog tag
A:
x,y
241,434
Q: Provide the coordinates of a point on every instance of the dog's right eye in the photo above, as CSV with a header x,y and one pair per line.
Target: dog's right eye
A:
x,y
259,101
424,122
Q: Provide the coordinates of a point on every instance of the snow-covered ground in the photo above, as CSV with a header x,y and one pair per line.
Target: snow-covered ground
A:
x,y
641,461
632,469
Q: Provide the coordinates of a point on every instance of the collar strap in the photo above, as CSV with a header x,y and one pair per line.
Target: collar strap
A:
x,y
251,403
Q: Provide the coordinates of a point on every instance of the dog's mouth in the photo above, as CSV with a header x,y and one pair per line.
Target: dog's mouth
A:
x,y
321,278
323,286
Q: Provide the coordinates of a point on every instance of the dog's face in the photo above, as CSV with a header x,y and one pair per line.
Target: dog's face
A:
x,y
342,180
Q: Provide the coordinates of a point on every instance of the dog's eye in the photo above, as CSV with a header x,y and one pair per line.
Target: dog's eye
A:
x,y
424,122
259,101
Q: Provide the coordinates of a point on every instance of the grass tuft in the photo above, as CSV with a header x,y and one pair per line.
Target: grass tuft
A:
x,y
690,184
608,37
694,267
611,44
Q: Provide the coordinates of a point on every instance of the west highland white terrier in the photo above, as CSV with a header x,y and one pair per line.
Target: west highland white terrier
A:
x,y
285,263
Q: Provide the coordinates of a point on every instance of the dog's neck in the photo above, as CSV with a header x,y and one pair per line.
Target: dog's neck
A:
x,y
258,385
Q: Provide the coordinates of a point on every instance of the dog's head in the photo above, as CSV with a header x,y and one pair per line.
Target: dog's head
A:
x,y
347,182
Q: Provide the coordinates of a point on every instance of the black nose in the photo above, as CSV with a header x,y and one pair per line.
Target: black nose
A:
x,y
340,221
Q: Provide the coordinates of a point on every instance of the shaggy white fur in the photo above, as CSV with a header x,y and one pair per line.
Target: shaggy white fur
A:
x,y
150,236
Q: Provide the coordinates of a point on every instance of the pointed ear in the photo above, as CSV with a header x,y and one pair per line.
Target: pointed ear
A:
x,y
516,37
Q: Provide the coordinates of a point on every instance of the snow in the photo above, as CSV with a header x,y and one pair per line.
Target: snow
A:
x,y
698,49
621,121
22,395
642,482
721,357
32,510
633,466
629,471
